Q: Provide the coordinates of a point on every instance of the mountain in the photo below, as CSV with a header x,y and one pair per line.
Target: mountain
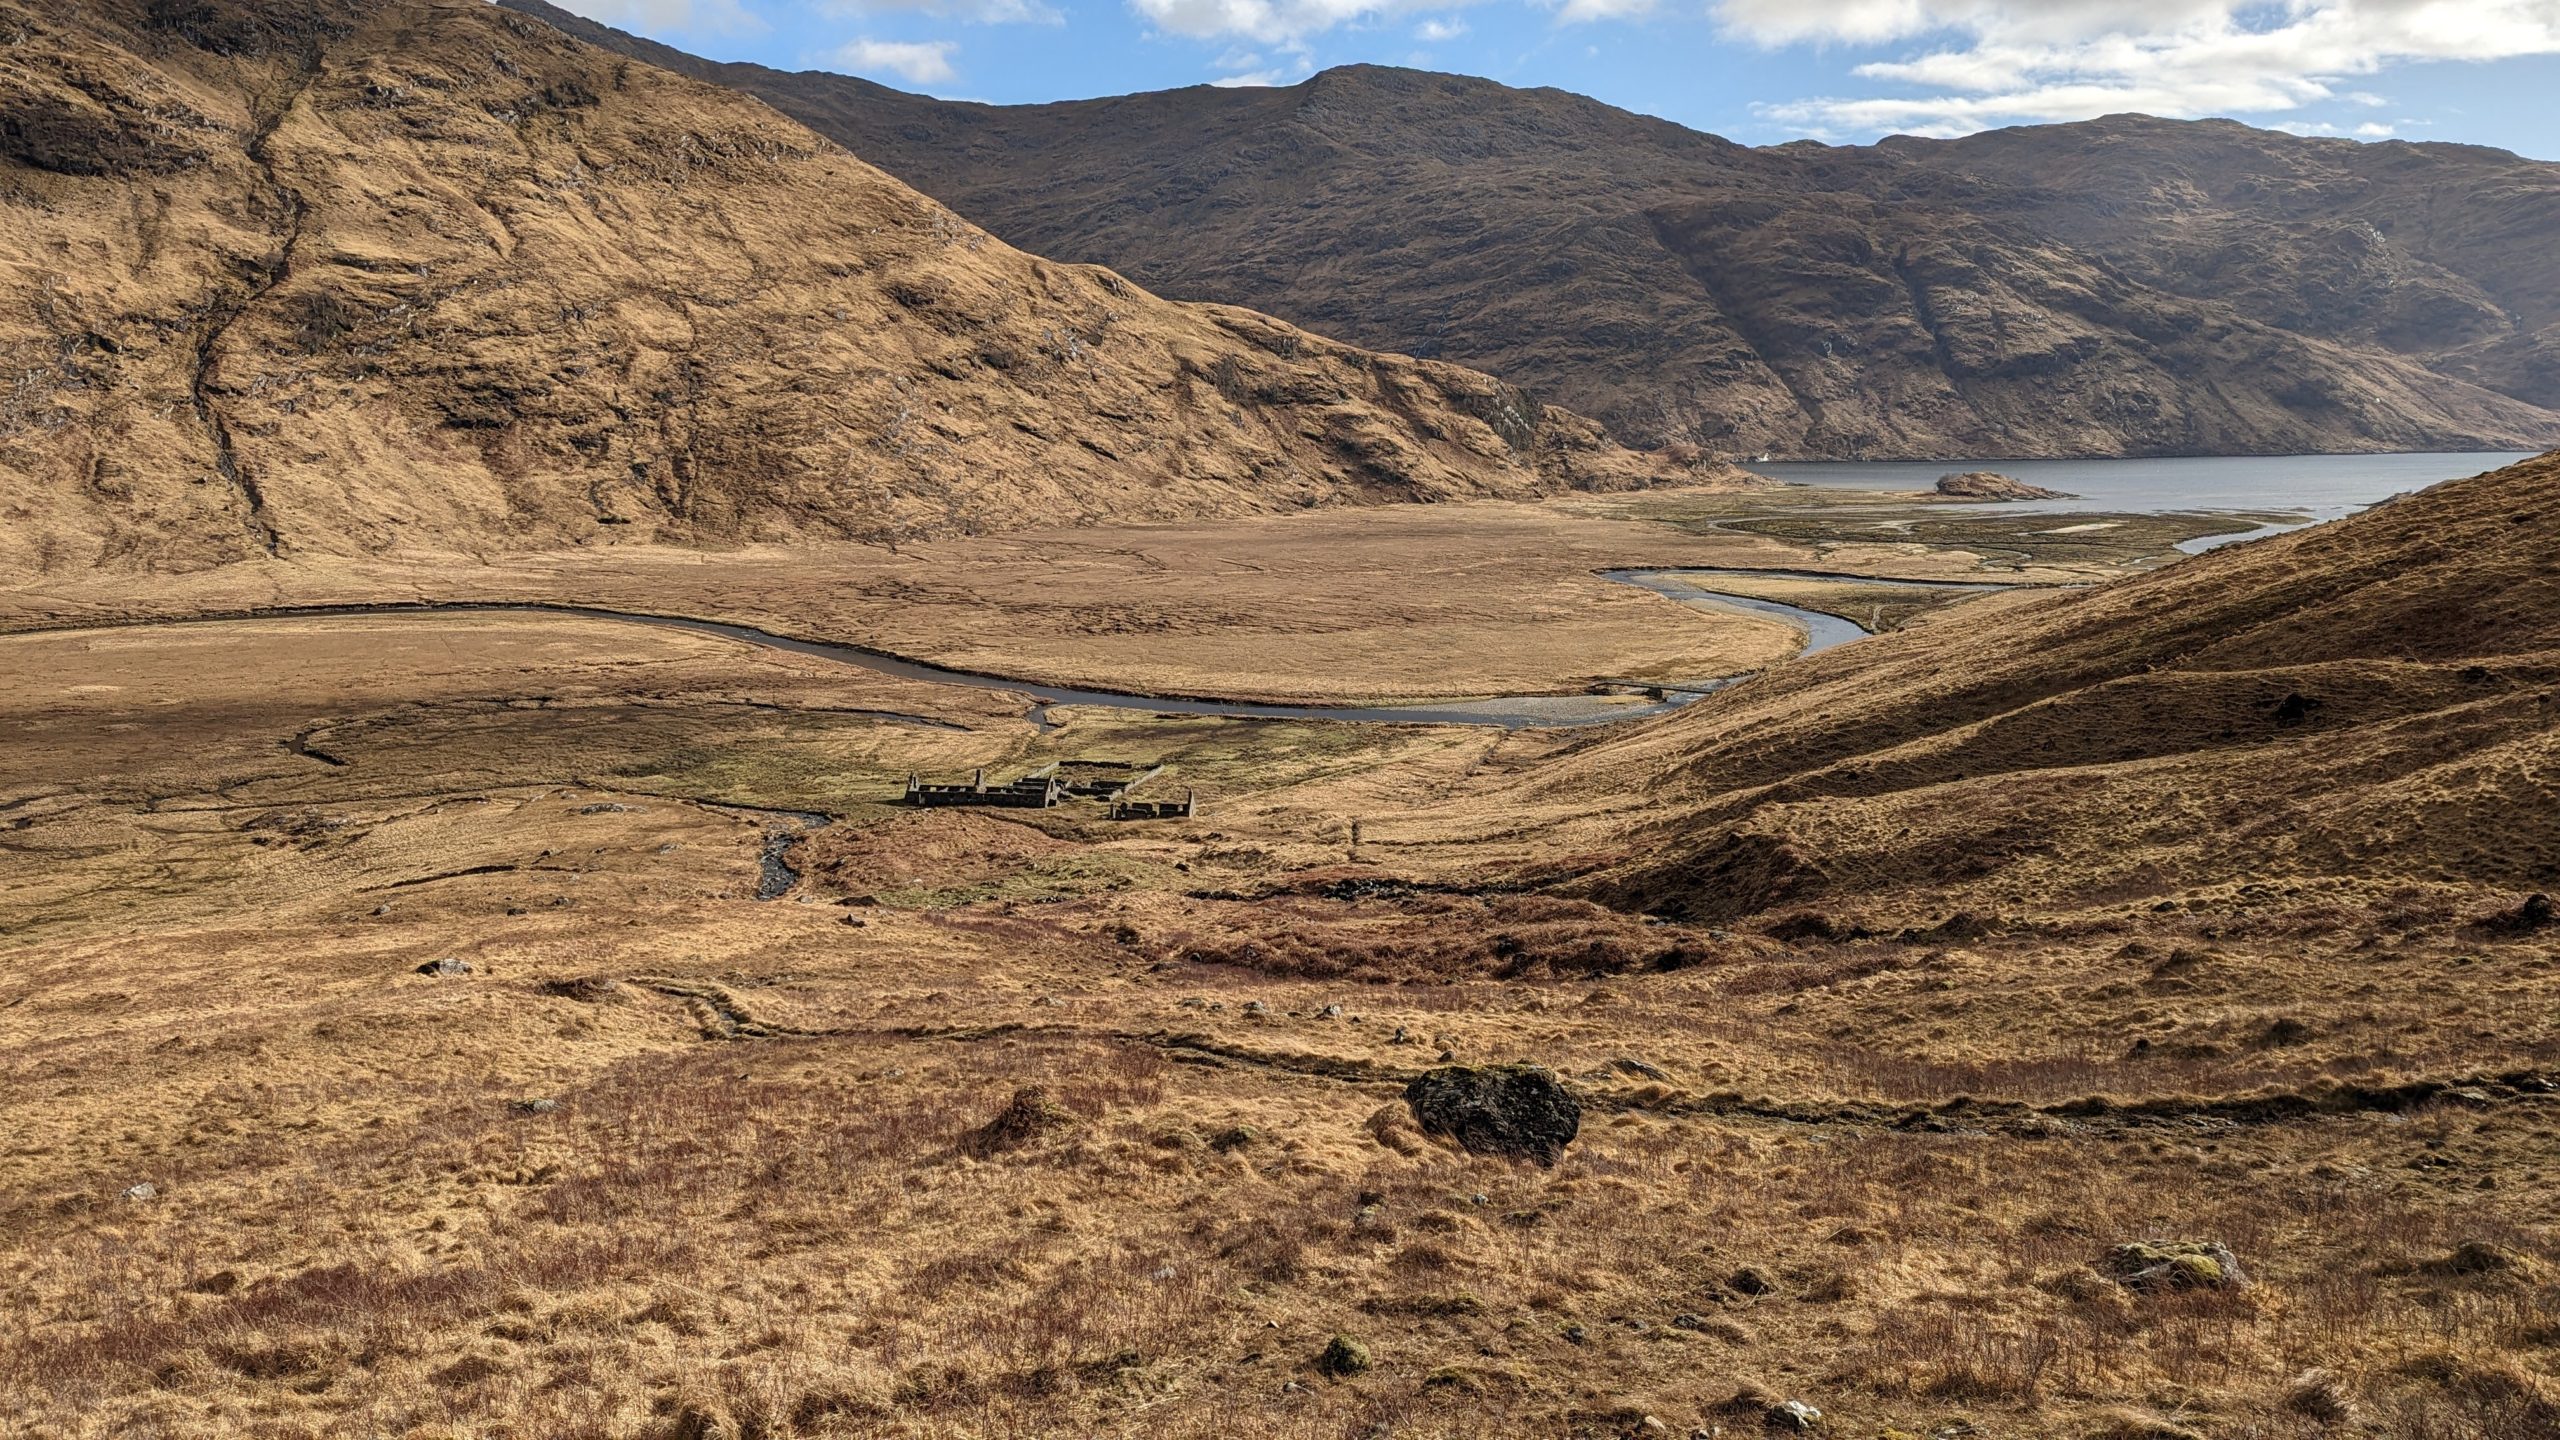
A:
x,y
2354,712
340,278
2125,286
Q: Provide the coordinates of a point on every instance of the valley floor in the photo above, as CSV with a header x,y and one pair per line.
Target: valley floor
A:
x,y
671,1160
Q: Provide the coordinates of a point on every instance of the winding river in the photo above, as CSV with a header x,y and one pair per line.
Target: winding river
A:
x,y
1511,712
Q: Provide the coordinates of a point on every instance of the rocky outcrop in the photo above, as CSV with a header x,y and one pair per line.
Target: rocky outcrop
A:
x,y
1522,1112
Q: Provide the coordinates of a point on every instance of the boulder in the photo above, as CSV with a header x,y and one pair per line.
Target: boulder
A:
x,y
1519,1111
445,967
2175,1265
1992,485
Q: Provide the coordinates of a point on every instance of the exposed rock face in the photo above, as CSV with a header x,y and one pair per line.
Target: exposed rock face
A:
x,y
1992,485
361,275
1520,1111
2125,286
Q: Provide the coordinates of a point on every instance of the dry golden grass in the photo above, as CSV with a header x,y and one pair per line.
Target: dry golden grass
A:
x,y
1876,1172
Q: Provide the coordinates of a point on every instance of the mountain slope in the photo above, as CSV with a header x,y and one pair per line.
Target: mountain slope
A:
x,y
346,277
2071,290
2351,710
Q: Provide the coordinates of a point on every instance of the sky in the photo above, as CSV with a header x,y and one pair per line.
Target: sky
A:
x,y
1758,71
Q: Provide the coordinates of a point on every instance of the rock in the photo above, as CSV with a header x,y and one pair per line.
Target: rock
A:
x,y
1401,1037
383,909
1234,1137
1343,1358
1520,1111
445,967
1750,1281
141,1194
1256,1008
1793,1415
2175,1265
534,1107
1629,1065
1992,485
1030,1115
1330,1012
2535,913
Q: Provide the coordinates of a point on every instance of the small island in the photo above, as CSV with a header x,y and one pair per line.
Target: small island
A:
x,y
1992,485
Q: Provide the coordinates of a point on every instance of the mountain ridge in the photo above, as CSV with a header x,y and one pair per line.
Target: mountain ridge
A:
x,y
1912,299
357,277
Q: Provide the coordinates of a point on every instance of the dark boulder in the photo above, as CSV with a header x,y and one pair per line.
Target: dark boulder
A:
x,y
1520,1111
2536,914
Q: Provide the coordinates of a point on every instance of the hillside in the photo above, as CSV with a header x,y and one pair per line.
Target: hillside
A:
x,y
347,278
2336,716
2125,286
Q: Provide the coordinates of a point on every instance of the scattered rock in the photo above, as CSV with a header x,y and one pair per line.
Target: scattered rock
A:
x,y
141,1194
610,808
534,1107
2175,1265
1256,1008
1992,485
1030,1115
2534,914
2295,708
382,909
445,967
1401,1037
1343,1358
1629,1065
1793,1415
1520,1111
1330,1012
1750,1280
1234,1137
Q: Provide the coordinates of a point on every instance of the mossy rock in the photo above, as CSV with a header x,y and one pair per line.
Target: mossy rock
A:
x,y
1343,1358
2176,1265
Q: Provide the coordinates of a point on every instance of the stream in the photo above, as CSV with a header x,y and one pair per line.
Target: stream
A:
x,y
1511,712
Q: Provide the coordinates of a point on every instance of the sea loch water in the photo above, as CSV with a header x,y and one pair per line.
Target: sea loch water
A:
x,y
2323,487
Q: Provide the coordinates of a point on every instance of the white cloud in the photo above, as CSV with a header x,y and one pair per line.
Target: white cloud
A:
x,y
1434,32
660,17
919,62
2376,130
1253,80
2007,62
1271,22
975,12
1583,12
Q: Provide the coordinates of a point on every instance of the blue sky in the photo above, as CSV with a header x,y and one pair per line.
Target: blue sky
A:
x,y
1759,71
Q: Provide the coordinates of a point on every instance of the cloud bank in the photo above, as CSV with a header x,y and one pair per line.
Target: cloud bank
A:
x,y
2009,62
